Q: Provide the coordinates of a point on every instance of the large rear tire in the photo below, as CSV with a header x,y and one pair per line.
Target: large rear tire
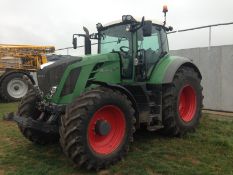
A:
x,y
97,128
13,87
28,108
182,103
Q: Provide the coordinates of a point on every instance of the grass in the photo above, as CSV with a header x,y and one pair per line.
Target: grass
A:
x,y
207,151
7,107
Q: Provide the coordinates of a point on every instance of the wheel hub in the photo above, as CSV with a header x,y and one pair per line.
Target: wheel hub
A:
x,y
102,127
106,129
187,103
17,88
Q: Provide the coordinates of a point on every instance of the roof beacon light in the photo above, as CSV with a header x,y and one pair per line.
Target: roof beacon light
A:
x,y
165,10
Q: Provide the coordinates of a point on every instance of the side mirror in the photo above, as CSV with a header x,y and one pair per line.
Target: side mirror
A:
x,y
74,43
147,28
87,38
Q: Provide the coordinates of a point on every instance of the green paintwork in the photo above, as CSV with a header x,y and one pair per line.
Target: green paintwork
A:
x,y
160,69
109,72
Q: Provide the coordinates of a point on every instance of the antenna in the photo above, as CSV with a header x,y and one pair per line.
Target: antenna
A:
x,y
165,10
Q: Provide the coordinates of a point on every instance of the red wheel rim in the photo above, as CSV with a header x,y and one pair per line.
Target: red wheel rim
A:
x,y
106,144
187,103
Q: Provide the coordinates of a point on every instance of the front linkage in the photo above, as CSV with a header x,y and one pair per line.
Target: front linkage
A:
x,y
36,115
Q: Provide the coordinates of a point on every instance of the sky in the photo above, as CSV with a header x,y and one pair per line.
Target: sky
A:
x,y
52,22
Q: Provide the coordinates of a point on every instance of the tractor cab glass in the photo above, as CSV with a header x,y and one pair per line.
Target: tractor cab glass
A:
x,y
149,51
117,39
140,48
150,48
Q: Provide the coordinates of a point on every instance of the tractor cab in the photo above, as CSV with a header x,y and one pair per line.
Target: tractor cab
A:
x,y
140,44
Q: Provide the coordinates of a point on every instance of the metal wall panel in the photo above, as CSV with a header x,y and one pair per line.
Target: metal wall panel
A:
x,y
216,66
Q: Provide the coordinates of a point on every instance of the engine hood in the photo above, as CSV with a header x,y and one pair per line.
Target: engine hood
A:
x,y
66,72
50,73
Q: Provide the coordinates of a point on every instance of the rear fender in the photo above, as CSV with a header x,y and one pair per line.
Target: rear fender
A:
x,y
165,70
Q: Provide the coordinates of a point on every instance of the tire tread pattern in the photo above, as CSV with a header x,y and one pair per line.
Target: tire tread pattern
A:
x,y
72,131
170,98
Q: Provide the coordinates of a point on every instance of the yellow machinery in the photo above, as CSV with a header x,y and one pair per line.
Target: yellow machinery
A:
x,y
16,61
23,57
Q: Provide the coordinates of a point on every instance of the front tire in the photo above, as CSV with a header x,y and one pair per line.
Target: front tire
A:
x,y
28,108
182,103
97,128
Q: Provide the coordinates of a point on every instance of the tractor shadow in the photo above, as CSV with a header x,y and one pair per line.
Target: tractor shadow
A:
x,y
142,137
144,134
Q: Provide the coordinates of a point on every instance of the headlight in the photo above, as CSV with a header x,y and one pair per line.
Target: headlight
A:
x,y
124,18
53,90
46,64
128,28
127,18
99,26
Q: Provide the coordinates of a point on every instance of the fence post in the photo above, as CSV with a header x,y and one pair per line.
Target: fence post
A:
x,y
209,38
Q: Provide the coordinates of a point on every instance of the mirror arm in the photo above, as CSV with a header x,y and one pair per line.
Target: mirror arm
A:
x,y
140,26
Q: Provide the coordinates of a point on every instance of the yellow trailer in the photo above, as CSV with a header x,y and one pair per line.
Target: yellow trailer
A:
x,y
17,61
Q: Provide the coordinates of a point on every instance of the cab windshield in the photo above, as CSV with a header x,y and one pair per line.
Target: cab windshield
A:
x,y
114,38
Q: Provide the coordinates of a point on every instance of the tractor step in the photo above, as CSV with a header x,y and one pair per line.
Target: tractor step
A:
x,y
152,104
154,118
150,93
154,128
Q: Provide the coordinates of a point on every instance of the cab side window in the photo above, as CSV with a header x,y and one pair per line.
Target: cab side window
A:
x,y
152,47
150,42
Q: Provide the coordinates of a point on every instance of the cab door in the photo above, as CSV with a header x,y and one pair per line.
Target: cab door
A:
x,y
148,54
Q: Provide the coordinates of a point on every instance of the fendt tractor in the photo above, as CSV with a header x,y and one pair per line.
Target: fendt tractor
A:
x,y
94,103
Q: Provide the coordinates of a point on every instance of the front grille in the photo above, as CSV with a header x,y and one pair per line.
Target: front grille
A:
x,y
71,82
51,75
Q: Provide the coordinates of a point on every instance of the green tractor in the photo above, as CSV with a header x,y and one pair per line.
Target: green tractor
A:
x,y
94,104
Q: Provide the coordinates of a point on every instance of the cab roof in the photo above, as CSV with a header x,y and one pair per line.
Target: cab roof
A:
x,y
138,19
